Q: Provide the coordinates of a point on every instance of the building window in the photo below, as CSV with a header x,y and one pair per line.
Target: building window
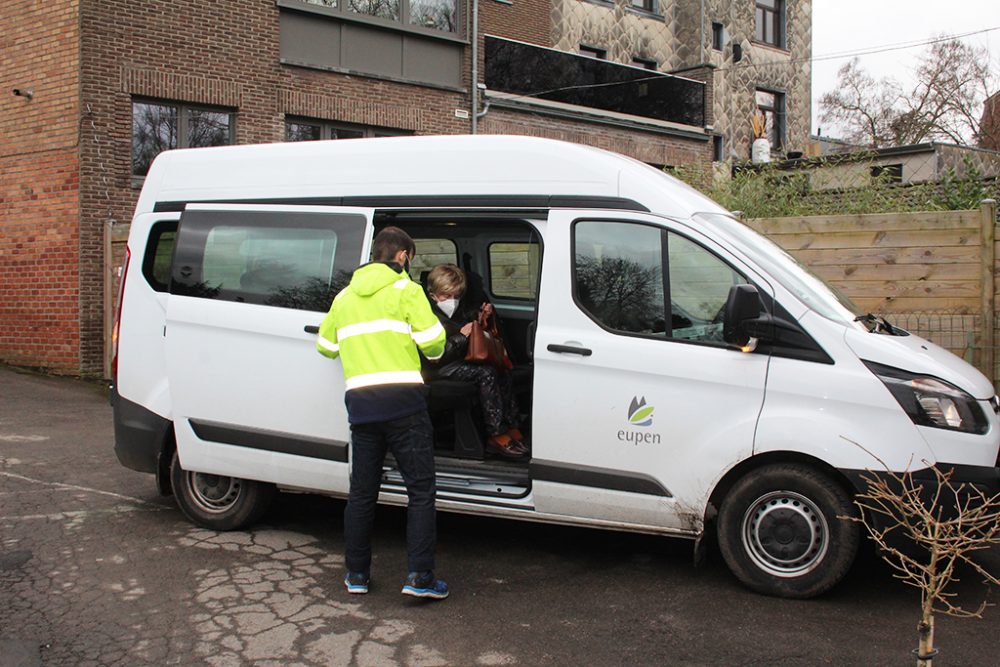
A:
x,y
431,14
434,14
161,126
770,22
887,173
718,148
645,5
644,63
593,51
306,129
771,105
718,36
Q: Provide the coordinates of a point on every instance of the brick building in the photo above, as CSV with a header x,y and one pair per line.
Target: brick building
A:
x,y
93,89
989,123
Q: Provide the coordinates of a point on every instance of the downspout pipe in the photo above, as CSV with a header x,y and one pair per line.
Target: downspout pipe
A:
x,y
474,85
701,47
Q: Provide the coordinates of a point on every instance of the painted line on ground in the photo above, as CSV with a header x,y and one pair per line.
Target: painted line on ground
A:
x,y
73,514
60,485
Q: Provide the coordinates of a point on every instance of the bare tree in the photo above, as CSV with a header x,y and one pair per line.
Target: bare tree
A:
x,y
944,527
953,80
862,106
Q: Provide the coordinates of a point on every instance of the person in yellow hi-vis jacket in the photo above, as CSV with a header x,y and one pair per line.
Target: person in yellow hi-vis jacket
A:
x,y
376,325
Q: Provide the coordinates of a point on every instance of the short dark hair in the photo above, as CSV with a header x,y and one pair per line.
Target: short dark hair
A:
x,y
389,242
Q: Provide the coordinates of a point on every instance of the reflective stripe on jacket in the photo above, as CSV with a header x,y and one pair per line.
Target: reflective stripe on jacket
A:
x,y
376,325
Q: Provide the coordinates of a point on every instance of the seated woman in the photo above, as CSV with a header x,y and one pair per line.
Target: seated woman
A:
x,y
446,286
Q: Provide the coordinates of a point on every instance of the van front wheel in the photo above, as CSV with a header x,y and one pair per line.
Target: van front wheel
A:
x,y
780,534
219,502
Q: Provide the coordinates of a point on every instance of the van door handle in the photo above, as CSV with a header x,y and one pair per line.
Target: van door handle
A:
x,y
311,329
570,349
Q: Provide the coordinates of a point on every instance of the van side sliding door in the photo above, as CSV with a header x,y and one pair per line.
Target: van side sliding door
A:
x,y
250,283
639,406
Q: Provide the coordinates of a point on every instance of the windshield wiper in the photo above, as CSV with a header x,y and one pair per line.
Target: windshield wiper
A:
x,y
878,324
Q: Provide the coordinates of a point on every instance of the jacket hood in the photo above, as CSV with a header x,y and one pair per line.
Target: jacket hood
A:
x,y
373,277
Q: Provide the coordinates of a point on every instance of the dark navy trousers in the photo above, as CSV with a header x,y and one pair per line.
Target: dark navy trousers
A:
x,y
411,441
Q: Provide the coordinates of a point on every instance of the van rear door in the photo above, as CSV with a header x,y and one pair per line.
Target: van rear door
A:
x,y
639,406
251,396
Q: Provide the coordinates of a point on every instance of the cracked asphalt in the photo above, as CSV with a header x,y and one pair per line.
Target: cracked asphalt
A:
x,y
97,569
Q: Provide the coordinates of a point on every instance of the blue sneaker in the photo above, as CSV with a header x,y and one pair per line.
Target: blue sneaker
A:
x,y
357,582
424,585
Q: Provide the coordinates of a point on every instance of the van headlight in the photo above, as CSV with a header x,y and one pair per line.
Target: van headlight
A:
x,y
932,402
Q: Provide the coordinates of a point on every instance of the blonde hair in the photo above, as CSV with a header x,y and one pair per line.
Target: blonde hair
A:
x,y
446,279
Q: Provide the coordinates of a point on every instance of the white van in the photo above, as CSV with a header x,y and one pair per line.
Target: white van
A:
x,y
679,370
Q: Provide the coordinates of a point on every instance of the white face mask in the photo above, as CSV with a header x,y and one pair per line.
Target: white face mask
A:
x,y
448,306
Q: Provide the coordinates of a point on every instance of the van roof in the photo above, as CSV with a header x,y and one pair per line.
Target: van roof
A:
x,y
453,165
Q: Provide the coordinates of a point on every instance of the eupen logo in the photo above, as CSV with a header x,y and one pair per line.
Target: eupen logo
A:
x,y
639,415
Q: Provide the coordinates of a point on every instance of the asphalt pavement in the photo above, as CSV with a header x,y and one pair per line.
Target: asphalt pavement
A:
x,y
97,569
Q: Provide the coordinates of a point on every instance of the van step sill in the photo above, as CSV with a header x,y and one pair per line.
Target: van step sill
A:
x,y
496,479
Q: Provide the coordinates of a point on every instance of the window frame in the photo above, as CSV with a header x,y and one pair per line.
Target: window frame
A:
x,y
182,126
778,20
665,268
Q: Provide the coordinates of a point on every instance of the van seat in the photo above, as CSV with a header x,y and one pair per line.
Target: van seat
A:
x,y
459,399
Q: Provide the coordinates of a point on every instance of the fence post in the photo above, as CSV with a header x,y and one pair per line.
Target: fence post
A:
x,y
988,212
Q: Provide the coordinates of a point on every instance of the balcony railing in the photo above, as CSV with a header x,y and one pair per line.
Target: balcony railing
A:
x,y
547,74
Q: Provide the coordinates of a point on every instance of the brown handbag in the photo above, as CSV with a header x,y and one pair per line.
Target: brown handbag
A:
x,y
485,344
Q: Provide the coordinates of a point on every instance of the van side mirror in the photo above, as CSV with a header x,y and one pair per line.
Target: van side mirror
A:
x,y
743,316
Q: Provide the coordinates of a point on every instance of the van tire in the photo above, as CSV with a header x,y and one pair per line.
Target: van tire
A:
x,y
779,531
218,502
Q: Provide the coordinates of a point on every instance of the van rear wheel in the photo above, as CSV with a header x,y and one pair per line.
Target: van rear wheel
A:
x,y
219,502
779,531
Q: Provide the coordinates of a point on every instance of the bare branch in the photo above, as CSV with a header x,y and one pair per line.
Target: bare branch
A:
x,y
953,81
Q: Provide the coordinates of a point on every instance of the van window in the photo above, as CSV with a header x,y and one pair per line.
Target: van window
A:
x,y
289,260
430,253
619,275
628,274
699,286
514,270
159,250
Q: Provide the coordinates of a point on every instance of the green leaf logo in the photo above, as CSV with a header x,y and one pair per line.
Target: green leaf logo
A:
x,y
640,414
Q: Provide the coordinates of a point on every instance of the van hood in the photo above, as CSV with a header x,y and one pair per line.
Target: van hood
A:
x,y
373,277
917,355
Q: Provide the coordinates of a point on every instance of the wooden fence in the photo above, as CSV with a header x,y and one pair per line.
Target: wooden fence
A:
x,y
938,265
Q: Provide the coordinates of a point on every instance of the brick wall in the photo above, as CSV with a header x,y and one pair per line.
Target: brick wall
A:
x,y
195,52
524,20
39,189
648,146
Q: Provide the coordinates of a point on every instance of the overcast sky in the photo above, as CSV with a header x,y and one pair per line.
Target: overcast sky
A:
x,y
846,25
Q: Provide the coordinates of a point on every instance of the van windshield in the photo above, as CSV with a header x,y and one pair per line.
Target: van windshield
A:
x,y
784,269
